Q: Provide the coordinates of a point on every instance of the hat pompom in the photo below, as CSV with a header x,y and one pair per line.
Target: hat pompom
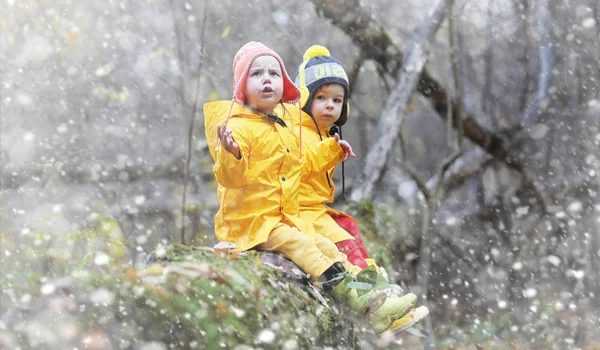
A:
x,y
315,51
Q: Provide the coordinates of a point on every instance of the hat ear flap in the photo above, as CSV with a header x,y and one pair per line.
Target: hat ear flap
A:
x,y
343,115
304,95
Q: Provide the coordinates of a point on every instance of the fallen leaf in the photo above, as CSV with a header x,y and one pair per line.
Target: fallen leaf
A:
x,y
221,308
225,32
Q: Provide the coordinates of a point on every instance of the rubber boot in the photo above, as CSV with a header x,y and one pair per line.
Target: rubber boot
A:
x,y
368,299
412,318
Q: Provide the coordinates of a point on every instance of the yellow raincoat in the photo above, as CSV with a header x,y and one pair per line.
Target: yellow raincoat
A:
x,y
261,190
316,191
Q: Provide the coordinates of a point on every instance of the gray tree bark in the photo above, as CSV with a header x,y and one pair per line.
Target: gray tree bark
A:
x,y
375,43
546,61
396,106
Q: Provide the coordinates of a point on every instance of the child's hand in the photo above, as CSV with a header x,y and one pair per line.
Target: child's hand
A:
x,y
345,146
228,142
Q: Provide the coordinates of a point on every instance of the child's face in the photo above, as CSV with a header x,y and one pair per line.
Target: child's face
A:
x,y
327,104
264,86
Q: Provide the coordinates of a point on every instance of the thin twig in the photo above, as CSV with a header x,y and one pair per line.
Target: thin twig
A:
x,y
456,107
381,74
355,71
191,125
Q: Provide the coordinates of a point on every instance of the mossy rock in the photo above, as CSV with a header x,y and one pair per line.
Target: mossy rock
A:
x,y
187,298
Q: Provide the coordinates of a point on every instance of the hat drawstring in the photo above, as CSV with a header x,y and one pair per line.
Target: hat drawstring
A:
x,y
300,131
343,174
338,129
321,138
226,120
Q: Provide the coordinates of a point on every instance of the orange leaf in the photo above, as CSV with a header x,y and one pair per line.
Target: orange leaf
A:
x,y
221,308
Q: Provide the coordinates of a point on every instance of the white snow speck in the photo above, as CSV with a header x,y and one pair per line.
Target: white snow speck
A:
x,y
522,211
62,128
266,336
502,304
281,17
588,23
154,346
139,200
28,137
558,306
139,290
517,266
101,259
24,99
495,252
10,2
538,131
577,274
590,159
290,345
160,252
451,221
141,239
103,70
25,299
47,289
533,308
102,296
529,293
239,313
575,207
553,259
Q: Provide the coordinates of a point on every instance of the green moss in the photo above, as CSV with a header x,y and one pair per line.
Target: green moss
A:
x,y
370,219
217,300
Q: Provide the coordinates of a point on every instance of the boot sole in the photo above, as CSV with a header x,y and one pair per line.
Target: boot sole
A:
x,y
410,307
418,318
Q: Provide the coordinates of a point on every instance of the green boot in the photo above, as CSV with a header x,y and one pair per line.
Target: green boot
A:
x,y
367,295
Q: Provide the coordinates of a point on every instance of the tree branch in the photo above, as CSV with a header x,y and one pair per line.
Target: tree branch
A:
x,y
546,61
389,123
373,40
191,125
355,71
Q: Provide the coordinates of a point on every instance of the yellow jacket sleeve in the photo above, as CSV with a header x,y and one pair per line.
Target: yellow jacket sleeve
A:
x,y
320,157
229,171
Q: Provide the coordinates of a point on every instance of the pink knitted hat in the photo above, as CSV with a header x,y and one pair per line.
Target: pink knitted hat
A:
x,y
241,64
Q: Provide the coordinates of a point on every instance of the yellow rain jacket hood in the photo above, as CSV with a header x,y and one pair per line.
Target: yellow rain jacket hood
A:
x,y
261,189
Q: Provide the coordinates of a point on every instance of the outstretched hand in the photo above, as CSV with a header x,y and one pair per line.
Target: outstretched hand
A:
x,y
228,142
345,146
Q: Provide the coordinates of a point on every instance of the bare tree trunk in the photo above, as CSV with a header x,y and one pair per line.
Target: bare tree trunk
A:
x,y
190,131
375,43
487,97
522,6
546,61
389,123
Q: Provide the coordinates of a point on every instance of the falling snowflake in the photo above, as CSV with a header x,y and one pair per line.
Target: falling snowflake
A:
x,y
266,336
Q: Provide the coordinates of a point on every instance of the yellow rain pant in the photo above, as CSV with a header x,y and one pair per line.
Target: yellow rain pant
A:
x,y
312,256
